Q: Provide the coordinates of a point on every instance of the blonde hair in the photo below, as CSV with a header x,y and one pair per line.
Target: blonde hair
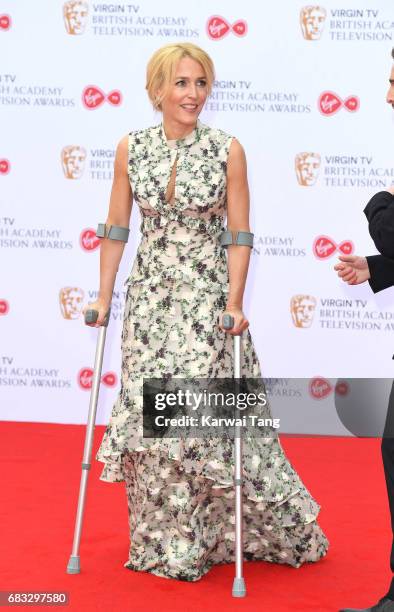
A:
x,y
161,68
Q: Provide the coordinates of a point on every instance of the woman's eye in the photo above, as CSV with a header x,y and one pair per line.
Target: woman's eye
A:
x,y
200,83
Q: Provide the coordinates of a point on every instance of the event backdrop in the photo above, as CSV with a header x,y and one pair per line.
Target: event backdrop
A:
x,y
302,87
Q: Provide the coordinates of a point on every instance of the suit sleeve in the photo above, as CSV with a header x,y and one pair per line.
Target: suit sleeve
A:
x,y
380,214
382,272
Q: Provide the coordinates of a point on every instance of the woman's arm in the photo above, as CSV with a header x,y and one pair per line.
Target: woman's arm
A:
x,y
237,220
111,251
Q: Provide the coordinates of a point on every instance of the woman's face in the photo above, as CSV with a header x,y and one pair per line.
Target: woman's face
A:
x,y
187,94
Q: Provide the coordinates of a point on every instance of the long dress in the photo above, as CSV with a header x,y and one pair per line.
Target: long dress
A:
x,y
180,491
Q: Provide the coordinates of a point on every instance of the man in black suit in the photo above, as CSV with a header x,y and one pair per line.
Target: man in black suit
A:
x,y
378,270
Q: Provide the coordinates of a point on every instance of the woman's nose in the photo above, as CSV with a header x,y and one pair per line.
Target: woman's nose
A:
x,y
192,93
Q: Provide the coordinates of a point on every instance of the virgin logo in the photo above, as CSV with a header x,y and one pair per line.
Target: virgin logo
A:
x,y
88,240
93,97
85,378
324,247
5,22
4,166
319,388
329,103
218,27
4,307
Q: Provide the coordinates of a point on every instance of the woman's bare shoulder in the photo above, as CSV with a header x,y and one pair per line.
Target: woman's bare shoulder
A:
x,y
122,149
122,155
123,144
236,148
236,153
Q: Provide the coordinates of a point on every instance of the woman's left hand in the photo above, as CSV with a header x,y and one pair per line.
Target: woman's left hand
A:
x,y
240,321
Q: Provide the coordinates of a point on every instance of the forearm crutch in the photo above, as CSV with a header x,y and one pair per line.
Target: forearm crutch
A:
x,y
239,588
91,316
121,234
241,238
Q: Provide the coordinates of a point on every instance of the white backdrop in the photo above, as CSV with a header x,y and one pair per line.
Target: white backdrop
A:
x,y
272,69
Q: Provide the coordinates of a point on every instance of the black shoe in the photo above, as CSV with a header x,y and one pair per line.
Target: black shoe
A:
x,y
383,605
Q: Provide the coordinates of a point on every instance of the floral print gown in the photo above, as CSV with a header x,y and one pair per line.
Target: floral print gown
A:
x,y
180,491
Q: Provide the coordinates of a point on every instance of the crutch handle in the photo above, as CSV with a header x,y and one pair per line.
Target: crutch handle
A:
x,y
228,321
91,316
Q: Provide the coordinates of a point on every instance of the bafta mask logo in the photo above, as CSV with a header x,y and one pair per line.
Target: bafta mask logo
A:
x,y
4,307
302,310
307,167
312,20
85,379
71,302
75,14
73,161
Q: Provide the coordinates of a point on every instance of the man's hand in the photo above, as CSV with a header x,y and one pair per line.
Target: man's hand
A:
x,y
353,270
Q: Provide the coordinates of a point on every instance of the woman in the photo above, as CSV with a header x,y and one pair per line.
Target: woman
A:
x,y
185,177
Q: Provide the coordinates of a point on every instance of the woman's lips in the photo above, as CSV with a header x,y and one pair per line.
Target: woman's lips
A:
x,y
190,108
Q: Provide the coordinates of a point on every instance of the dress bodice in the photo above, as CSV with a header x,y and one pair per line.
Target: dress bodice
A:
x,y
180,239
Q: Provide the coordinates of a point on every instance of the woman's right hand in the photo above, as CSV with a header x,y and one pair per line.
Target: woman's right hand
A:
x,y
102,307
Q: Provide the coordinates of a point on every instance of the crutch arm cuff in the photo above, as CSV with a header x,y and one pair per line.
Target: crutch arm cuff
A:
x,y
113,232
226,238
242,238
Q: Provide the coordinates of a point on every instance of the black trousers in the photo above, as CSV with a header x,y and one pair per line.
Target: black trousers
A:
x,y
388,464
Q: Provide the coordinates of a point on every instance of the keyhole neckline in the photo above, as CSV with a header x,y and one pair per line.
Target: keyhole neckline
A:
x,y
171,185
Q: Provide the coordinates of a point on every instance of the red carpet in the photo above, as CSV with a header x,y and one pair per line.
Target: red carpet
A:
x,y
41,473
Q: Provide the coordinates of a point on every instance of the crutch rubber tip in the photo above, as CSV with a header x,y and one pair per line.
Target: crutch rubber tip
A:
x,y
73,566
239,589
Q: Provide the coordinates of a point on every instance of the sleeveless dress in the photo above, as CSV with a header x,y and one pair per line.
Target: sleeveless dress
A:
x,y
180,491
